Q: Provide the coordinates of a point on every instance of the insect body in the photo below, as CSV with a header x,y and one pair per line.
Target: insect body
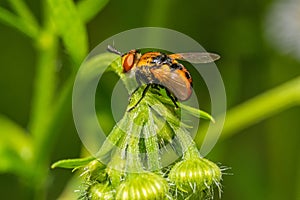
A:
x,y
160,69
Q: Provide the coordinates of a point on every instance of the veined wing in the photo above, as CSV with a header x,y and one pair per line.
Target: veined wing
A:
x,y
174,80
196,57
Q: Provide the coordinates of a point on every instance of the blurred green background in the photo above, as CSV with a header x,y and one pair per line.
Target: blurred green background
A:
x,y
259,52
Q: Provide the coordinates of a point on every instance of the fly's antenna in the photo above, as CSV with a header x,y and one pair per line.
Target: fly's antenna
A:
x,y
113,50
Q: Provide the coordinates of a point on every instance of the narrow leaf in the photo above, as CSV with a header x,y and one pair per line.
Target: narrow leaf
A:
x,y
70,28
197,113
72,163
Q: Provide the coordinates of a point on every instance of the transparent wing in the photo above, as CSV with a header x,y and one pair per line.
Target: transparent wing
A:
x,y
196,57
174,81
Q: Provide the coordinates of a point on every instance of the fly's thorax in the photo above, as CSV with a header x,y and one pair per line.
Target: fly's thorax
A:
x,y
154,59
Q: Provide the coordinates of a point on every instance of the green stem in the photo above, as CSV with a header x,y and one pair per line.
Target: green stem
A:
x,y
48,113
160,8
87,9
16,22
42,105
262,107
45,142
25,14
50,132
44,84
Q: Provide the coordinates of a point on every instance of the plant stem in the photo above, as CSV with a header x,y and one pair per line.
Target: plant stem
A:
x,y
87,9
44,84
16,22
25,14
50,131
262,107
160,8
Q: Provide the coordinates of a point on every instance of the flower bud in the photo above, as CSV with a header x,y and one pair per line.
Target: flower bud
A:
x,y
195,175
143,186
99,191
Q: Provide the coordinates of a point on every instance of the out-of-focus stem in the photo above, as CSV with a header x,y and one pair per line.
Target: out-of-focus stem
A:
x,y
262,107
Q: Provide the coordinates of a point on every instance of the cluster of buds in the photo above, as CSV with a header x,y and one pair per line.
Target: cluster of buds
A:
x,y
187,179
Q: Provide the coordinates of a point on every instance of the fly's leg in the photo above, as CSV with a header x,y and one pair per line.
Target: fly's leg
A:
x,y
139,78
174,100
157,88
172,97
143,95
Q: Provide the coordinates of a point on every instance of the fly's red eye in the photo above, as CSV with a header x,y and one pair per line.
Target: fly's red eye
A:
x,y
128,62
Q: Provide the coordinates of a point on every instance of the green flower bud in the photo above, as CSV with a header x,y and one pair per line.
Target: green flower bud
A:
x,y
143,186
195,175
99,191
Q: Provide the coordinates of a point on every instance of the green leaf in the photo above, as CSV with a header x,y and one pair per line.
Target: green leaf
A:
x,y
197,113
193,111
72,163
87,9
15,147
71,28
155,101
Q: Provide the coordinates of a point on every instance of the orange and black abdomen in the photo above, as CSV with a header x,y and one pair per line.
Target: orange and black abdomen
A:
x,y
185,77
183,72
175,78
